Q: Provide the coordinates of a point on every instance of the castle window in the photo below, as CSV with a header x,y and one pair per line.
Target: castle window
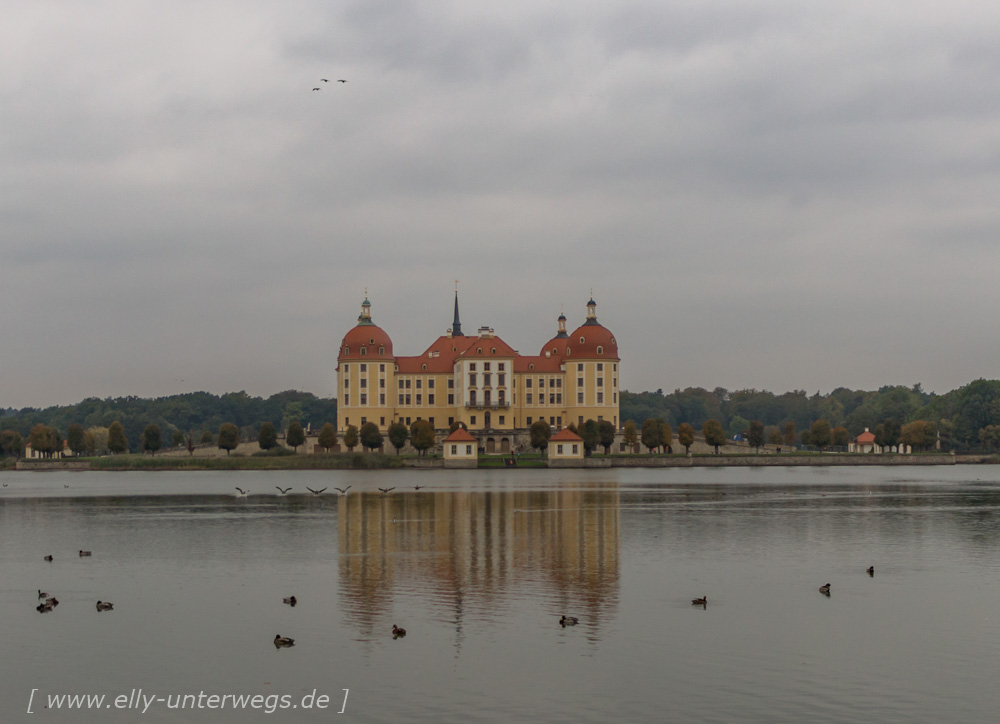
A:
x,y
558,398
364,399
555,351
451,384
423,366
600,365
381,421
430,399
501,379
579,367
472,421
600,349
401,398
381,350
371,340
486,365
407,399
430,383
579,382
501,366
400,383
381,401
582,340
472,379
347,383
527,383
502,420
419,383
531,366
600,382
527,399
486,379
381,368
364,351
381,382
552,398
451,400
527,421
364,367
479,350
494,350
472,366
600,398
347,351
347,399
407,383
579,400
364,383
419,400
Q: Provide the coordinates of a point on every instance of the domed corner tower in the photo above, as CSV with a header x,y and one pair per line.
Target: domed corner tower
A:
x,y
365,371
590,353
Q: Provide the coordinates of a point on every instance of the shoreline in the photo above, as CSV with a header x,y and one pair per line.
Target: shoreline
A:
x,y
387,462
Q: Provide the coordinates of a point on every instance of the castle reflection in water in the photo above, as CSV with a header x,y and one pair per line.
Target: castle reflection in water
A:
x,y
472,554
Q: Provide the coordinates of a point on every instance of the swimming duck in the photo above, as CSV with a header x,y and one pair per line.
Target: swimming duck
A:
x,y
43,607
52,601
825,588
48,558
398,632
703,601
871,570
104,605
280,640
569,621
290,600
42,594
85,553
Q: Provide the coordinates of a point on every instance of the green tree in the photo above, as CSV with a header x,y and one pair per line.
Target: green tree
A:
x,y
267,437
42,439
370,436
398,434
176,438
229,437
607,431
152,439
630,436
714,433
790,434
840,436
421,436
773,435
11,443
207,438
989,436
591,435
75,438
685,436
652,434
540,433
117,442
351,437
919,434
327,436
99,436
295,435
756,436
666,435
820,434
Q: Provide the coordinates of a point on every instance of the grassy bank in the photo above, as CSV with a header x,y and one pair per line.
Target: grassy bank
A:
x,y
346,461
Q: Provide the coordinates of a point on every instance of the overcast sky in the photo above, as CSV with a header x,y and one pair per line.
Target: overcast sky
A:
x,y
776,195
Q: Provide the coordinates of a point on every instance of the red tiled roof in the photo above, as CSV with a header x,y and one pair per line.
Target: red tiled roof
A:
x,y
865,437
460,435
566,435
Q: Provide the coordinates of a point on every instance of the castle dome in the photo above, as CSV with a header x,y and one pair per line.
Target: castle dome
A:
x,y
590,340
367,340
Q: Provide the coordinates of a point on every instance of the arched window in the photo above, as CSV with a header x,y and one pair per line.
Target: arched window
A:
x,y
381,350
364,351
582,340
600,349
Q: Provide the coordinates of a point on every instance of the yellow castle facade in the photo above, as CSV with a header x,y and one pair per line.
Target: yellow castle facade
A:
x,y
479,380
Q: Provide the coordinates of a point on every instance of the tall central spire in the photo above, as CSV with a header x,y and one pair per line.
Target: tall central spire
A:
x,y
456,326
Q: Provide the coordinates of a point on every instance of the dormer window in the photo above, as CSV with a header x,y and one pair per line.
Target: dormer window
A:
x,y
364,351
582,340
381,351
600,350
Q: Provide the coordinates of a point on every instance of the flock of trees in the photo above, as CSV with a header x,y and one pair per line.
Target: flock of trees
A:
x,y
197,414
967,418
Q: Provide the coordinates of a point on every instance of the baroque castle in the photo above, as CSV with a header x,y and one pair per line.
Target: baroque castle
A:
x,y
479,380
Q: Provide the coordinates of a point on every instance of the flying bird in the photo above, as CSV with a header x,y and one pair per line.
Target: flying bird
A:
x,y
315,492
317,89
242,493
282,491
418,487
385,491
325,80
343,490
341,80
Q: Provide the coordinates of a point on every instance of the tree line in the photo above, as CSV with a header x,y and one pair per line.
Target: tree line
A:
x,y
965,419
199,414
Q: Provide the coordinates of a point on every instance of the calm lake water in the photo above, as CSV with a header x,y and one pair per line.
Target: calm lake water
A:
x,y
478,567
